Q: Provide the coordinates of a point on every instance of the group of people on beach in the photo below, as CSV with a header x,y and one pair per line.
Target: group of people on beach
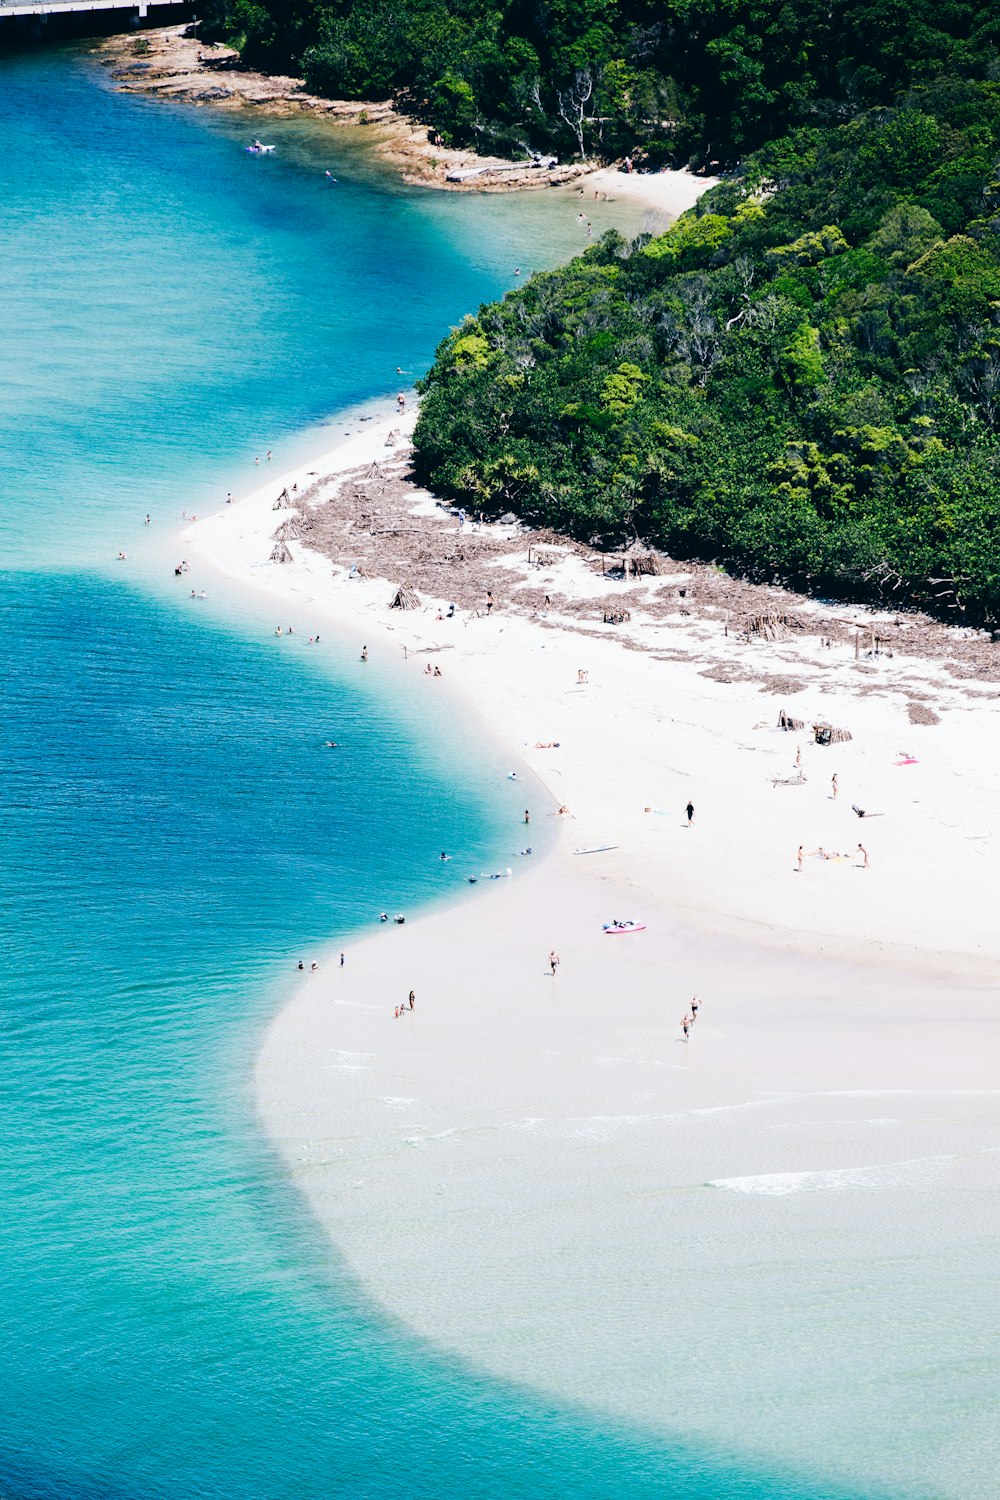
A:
x,y
861,852
828,854
407,1005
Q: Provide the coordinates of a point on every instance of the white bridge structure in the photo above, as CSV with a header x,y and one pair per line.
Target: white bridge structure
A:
x,y
45,8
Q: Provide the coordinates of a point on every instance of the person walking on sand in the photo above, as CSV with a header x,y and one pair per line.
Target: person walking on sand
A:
x,y
401,402
553,962
364,653
690,813
489,601
341,960
695,1007
685,1026
834,787
799,858
864,857
413,999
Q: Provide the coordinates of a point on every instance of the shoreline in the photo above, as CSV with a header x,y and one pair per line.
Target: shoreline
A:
x,y
688,649
484,1206
180,68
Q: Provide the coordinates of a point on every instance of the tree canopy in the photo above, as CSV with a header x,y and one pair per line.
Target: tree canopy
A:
x,y
801,378
672,80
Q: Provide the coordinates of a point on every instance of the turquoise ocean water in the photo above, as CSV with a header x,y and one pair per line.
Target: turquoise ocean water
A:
x,y
173,1323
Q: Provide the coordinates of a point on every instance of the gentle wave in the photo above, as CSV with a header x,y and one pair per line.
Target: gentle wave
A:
x,y
899,1174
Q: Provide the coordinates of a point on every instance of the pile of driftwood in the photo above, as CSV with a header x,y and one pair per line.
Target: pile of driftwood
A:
x,y
648,565
284,501
289,531
405,598
769,627
785,721
281,554
616,616
828,734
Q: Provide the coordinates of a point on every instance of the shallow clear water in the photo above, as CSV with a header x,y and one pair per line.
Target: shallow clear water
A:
x,y
174,837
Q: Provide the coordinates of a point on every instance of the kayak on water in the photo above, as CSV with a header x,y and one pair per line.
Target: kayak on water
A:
x,y
257,149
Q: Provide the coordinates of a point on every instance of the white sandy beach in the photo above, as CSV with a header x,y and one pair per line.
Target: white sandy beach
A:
x,y
669,192
767,1238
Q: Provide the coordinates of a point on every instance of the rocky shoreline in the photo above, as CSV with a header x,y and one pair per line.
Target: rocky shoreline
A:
x,y
172,64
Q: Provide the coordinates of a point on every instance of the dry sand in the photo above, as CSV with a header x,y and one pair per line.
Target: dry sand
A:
x,y
671,193
540,1174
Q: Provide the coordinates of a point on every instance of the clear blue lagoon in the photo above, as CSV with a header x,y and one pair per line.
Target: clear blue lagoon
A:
x,y
173,1322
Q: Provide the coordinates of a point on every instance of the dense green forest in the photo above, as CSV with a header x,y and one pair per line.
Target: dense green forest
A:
x,y
800,379
670,80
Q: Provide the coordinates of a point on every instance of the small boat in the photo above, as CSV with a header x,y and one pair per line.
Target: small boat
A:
x,y
595,848
619,929
258,150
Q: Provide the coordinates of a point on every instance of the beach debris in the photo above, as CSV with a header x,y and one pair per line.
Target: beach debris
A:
x,y
785,721
919,713
288,531
405,598
768,627
617,616
829,734
645,565
284,501
281,553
